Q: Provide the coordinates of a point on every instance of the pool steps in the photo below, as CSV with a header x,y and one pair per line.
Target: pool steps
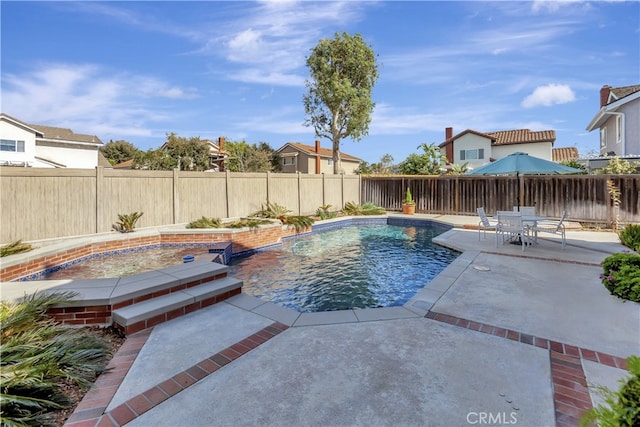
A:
x,y
151,312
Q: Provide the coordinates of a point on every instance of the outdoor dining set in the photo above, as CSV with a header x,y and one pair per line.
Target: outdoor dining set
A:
x,y
521,225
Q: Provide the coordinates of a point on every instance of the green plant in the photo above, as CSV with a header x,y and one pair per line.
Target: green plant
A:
x,y
324,213
622,275
621,407
614,194
618,166
408,199
272,210
630,236
299,222
38,355
252,223
127,222
205,222
16,247
354,209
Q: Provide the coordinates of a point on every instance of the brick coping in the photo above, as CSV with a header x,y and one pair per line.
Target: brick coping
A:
x,y
571,397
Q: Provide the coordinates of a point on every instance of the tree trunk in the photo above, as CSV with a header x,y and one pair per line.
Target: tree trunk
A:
x,y
337,162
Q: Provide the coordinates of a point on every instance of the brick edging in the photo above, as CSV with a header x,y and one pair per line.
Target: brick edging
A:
x,y
571,397
91,411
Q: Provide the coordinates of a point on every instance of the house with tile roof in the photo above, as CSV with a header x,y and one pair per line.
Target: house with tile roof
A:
x,y
564,154
618,121
296,157
29,145
478,148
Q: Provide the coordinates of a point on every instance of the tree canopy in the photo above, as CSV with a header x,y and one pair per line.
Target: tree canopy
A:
x,y
118,151
177,152
245,157
428,163
339,105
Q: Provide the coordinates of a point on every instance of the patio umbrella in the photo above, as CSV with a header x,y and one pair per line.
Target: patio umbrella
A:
x,y
523,164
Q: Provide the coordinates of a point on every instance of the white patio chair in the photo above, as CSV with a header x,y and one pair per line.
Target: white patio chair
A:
x,y
511,227
553,227
485,223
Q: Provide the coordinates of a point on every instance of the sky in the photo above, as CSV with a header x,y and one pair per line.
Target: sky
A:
x,y
136,71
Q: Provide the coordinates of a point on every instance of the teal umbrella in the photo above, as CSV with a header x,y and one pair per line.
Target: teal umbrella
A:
x,y
523,164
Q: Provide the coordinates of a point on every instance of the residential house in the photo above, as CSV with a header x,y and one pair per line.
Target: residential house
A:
x,y
618,121
563,154
478,148
296,157
29,145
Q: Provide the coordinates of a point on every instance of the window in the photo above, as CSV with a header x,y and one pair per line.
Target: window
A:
x,y
618,128
476,154
603,137
11,145
330,162
287,161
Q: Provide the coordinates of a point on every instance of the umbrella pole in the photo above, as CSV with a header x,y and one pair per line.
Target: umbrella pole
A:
x,y
518,191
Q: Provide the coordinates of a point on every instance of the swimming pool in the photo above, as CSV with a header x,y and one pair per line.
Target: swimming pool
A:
x,y
353,266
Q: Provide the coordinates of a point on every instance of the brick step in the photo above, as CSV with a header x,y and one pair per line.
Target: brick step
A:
x,y
151,312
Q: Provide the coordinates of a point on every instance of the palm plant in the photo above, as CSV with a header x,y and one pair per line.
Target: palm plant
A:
x,y
38,355
16,247
127,222
354,209
205,222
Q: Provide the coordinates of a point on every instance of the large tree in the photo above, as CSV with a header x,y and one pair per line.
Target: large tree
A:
x,y
338,105
190,153
118,151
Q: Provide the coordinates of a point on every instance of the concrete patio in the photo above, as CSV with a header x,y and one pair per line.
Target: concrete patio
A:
x,y
499,337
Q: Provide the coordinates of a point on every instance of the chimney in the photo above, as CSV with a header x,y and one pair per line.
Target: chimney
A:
x,y
317,157
604,95
220,155
221,143
448,133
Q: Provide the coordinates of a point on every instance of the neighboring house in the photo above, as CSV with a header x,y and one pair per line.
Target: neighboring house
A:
x,y
618,121
477,148
217,155
296,157
564,154
29,145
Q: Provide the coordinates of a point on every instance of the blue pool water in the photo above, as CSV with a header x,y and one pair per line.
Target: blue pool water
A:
x,y
353,266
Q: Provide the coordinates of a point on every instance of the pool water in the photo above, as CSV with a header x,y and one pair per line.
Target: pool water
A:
x,y
121,264
349,267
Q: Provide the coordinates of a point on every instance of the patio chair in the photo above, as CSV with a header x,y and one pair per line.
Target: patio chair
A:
x,y
485,223
552,227
511,228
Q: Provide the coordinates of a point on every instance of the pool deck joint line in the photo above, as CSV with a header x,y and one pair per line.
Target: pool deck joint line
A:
x,y
571,395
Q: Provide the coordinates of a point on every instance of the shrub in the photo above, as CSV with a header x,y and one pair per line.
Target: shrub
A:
x,y
127,222
38,355
205,222
324,213
622,275
352,208
247,222
630,236
272,210
622,407
16,247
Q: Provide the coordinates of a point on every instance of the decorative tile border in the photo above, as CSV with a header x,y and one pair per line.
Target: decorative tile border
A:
x,y
90,412
571,395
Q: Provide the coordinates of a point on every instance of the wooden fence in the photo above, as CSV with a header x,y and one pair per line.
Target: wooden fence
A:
x,y
585,197
38,204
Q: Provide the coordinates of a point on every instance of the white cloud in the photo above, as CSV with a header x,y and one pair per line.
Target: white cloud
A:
x,y
551,94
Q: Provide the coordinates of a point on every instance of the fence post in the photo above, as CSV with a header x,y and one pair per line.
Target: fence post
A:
x,y
299,191
99,196
227,175
176,208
